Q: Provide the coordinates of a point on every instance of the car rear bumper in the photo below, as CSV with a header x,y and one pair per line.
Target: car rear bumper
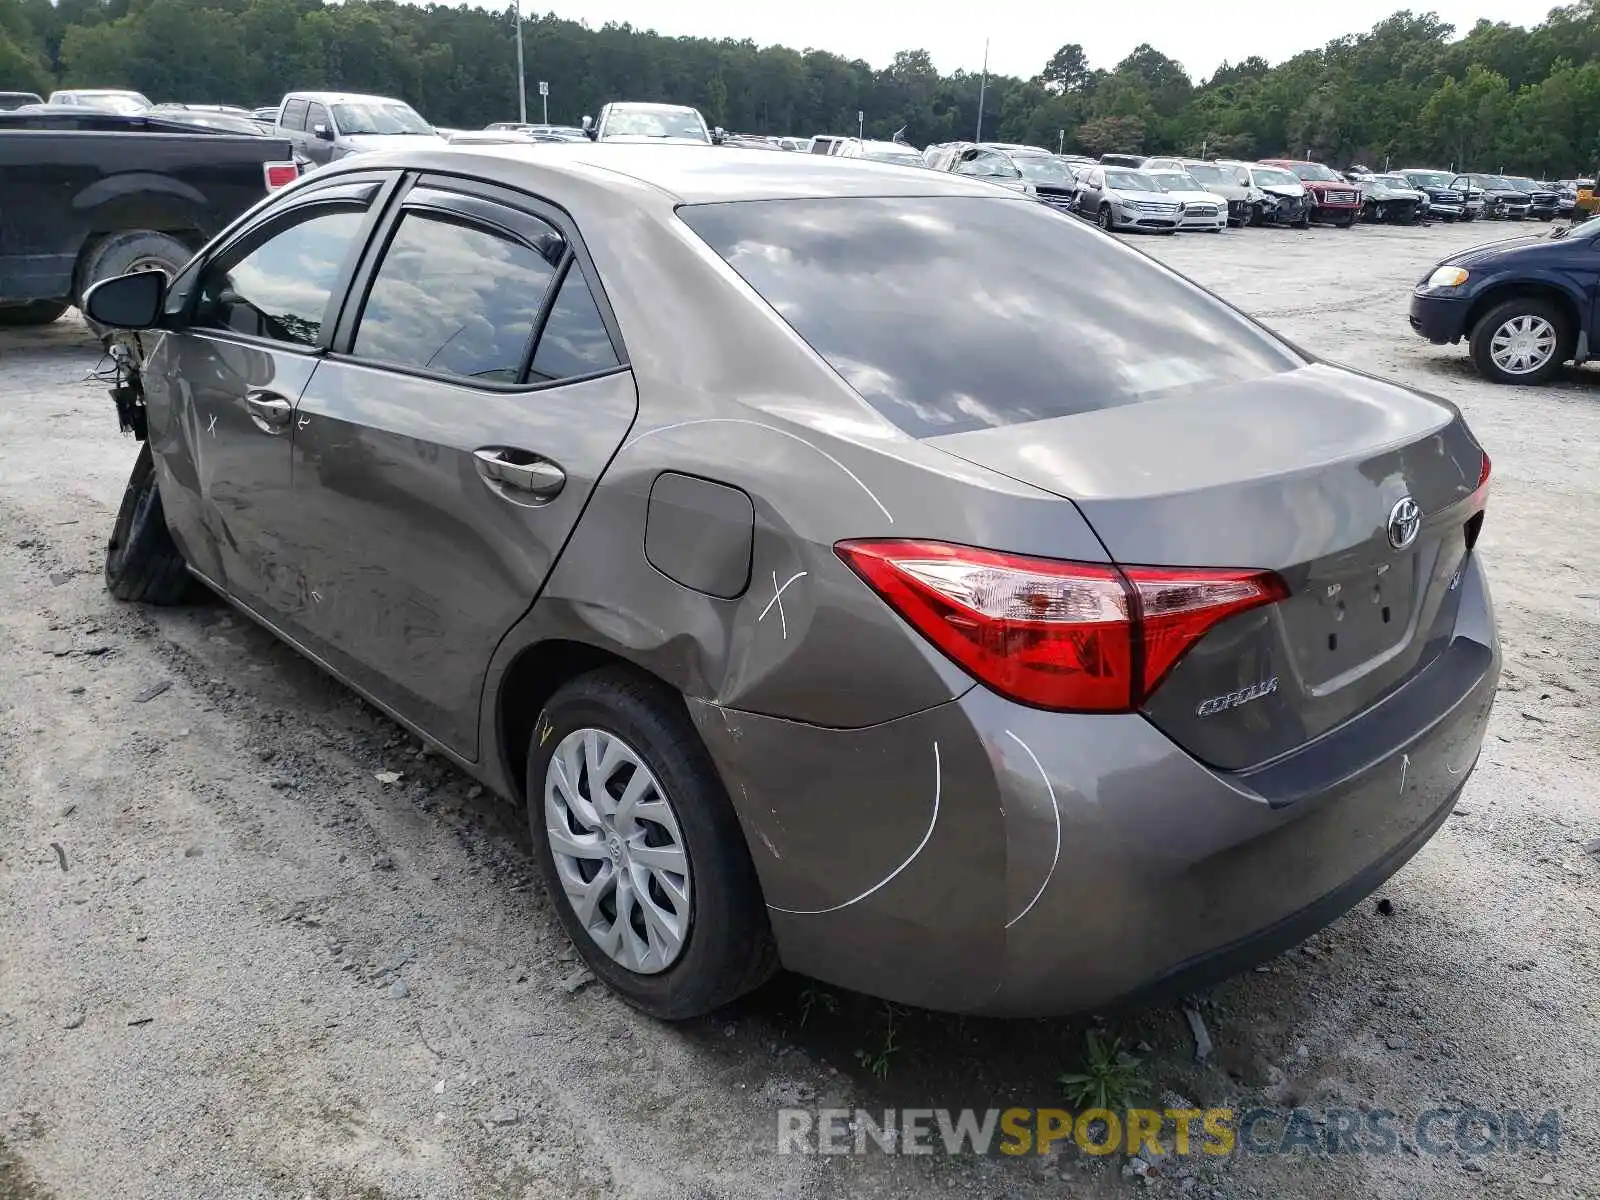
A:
x,y
1440,319
980,856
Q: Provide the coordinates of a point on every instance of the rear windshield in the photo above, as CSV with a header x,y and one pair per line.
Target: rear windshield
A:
x,y
953,313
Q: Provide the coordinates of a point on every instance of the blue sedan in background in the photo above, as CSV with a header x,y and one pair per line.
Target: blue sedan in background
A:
x,y
1525,306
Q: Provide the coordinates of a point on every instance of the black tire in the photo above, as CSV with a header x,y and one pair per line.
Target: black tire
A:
x,y
119,253
34,312
142,561
1105,220
729,948
1535,306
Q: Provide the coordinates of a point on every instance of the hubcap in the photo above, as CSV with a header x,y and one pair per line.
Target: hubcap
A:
x,y
617,849
1523,344
150,264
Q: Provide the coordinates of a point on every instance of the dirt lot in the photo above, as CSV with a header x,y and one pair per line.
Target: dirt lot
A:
x,y
235,964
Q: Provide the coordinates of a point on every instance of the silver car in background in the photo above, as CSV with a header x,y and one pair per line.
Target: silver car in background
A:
x,y
977,162
1122,198
885,152
1202,210
1229,180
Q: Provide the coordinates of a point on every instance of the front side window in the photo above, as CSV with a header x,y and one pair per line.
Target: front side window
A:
x,y
317,115
949,313
281,289
574,340
453,298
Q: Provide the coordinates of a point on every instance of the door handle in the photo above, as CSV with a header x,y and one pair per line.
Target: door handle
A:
x,y
538,477
269,411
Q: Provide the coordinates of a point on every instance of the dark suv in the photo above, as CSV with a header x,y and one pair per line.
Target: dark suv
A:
x,y
1443,200
1544,201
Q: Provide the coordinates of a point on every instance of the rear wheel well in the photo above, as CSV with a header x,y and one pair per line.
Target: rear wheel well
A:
x,y
1512,291
533,677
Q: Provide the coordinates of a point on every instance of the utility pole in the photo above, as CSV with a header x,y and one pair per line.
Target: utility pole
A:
x,y
983,86
522,87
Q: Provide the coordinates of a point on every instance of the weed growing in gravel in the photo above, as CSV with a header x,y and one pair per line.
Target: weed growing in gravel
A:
x,y
877,1061
815,997
1108,1078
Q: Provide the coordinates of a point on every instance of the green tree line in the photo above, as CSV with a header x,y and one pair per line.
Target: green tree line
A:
x,y
1407,90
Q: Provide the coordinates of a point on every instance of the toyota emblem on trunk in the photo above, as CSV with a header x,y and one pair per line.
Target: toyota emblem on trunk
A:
x,y
1405,518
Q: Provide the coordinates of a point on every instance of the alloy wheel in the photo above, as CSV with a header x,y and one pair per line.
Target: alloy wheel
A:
x,y
618,851
1522,345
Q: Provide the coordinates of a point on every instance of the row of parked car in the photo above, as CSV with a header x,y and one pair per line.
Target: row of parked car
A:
x,y
1165,194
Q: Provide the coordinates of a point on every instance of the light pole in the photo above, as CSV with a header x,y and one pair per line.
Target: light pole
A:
x,y
861,125
1061,140
544,99
983,86
522,86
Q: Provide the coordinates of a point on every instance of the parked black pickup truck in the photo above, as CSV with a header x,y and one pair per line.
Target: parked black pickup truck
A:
x,y
85,196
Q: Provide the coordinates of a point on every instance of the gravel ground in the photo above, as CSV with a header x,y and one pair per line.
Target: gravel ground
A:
x,y
236,964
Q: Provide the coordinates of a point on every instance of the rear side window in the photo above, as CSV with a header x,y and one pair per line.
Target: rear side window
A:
x,y
294,115
955,313
453,298
574,340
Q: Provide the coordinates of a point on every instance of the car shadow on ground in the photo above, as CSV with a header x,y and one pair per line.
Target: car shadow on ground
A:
x,y
1458,368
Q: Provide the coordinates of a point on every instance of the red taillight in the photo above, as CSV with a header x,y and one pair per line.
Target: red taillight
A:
x,y
280,174
1483,472
1080,637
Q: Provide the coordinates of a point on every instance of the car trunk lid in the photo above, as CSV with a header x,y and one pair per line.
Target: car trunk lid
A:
x,y
1302,473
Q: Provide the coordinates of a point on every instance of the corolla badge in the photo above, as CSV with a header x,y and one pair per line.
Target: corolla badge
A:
x,y
1209,708
1405,518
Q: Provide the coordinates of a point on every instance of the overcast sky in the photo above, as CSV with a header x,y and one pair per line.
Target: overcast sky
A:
x,y
1024,33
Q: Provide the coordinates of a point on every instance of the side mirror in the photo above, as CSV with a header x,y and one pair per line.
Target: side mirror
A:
x,y
718,136
587,125
322,133
127,301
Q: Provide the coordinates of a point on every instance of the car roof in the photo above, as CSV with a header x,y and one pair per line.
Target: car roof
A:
x,y
339,97
652,104
685,174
